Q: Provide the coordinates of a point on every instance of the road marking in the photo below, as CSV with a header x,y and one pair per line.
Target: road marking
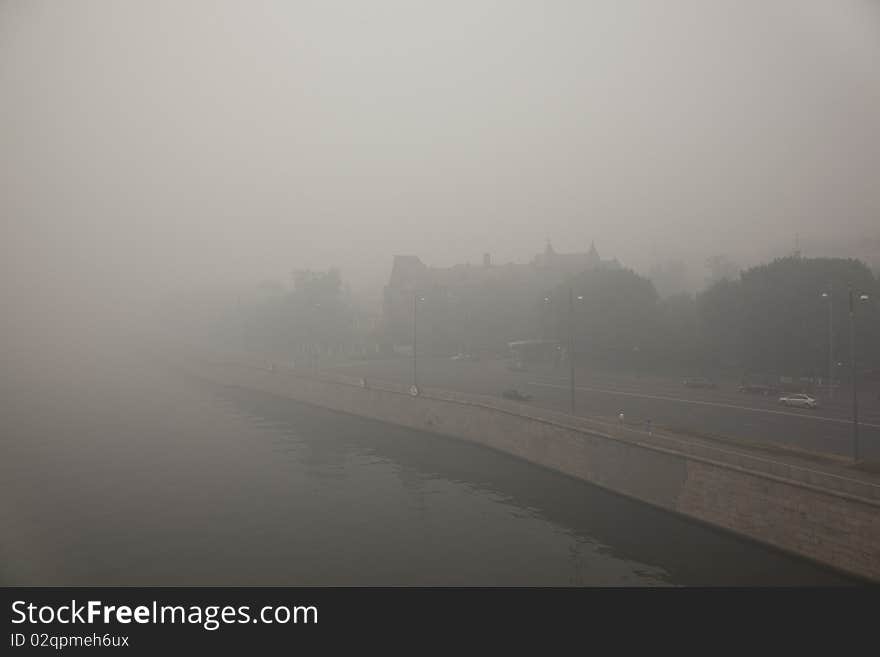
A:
x,y
705,403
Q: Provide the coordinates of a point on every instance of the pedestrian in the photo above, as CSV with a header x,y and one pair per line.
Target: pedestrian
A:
x,y
620,418
650,427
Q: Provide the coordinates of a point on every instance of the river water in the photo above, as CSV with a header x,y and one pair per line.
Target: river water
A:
x,y
119,471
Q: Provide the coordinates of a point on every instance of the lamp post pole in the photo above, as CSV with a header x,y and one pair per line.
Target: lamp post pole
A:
x,y
830,346
855,394
828,295
853,299
571,347
571,375
415,380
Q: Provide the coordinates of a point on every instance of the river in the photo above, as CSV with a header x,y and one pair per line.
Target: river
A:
x,y
119,471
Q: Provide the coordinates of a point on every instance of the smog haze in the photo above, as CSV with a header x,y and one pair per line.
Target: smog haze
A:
x,y
451,292
148,147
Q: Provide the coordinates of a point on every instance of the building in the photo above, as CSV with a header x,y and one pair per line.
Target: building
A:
x,y
571,263
475,307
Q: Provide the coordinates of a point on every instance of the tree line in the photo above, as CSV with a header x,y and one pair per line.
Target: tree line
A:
x,y
787,317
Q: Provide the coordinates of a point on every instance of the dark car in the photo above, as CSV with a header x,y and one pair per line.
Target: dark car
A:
x,y
516,395
699,382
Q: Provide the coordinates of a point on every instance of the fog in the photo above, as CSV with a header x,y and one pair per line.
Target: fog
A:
x,y
148,147
215,370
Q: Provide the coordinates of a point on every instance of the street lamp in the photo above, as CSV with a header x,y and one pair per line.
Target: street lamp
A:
x,y
571,374
827,295
852,342
415,381
571,348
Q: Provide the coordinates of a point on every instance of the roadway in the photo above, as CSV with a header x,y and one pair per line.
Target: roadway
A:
x,y
719,413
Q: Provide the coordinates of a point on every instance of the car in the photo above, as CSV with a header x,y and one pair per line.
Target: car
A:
x,y
517,366
699,382
800,400
516,395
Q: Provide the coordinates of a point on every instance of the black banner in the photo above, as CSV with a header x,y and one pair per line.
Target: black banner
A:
x,y
149,620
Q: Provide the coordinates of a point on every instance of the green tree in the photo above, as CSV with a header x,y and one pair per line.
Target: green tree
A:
x,y
775,320
615,316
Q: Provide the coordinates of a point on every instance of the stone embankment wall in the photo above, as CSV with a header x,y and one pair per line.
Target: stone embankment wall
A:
x,y
831,519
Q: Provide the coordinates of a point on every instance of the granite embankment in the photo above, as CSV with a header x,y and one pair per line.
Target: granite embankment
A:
x,y
828,515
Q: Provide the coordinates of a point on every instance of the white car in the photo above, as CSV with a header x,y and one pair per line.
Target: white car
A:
x,y
804,401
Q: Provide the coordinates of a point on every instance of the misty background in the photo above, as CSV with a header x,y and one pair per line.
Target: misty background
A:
x,y
153,147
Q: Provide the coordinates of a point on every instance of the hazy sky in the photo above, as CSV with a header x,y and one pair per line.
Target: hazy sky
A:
x,y
145,145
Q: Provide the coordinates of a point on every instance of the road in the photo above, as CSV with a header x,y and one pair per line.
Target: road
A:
x,y
722,412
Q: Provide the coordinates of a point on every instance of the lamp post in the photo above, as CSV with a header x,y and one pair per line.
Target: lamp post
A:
x,y
241,322
571,373
547,301
415,379
855,378
571,348
827,295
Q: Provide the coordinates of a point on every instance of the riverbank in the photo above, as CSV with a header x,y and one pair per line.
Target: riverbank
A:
x,y
813,512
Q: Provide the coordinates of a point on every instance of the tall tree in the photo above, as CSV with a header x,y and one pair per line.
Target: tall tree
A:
x,y
615,315
775,319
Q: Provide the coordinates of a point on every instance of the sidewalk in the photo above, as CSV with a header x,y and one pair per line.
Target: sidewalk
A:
x,y
789,462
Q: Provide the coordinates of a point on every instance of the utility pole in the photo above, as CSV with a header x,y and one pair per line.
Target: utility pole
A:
x,y
571,345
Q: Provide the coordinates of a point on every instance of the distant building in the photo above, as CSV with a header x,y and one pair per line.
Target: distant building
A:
x,y
572,263
473,307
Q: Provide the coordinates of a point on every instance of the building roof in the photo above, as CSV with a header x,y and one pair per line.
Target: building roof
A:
x,y
408,271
